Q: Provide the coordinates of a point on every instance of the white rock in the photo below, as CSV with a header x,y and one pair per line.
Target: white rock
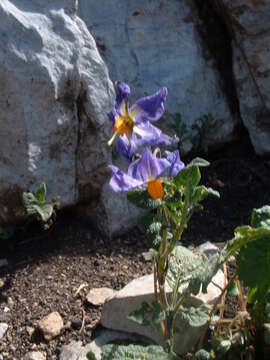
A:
x,y
98,296
35,355
71,351
154,44
130,298
250,24
54,105
51,325
3,329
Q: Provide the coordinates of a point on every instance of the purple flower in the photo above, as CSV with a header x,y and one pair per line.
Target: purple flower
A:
x,y
148,171
145,172
128,147
136,119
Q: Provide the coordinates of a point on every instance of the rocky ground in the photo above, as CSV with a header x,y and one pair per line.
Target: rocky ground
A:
x,y
54,271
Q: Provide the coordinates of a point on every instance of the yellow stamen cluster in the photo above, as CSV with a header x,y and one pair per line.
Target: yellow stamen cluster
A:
x,y
124,123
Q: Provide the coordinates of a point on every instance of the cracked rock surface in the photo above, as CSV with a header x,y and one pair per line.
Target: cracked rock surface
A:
x,y
54,98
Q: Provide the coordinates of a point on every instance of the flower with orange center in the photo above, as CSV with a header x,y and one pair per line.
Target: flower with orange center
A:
x,y
136,119
145,172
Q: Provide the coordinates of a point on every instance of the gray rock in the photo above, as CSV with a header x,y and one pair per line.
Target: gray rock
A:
x,y
71,351
75,350
130,298
249,22
3,329
35,355
54,107
150,44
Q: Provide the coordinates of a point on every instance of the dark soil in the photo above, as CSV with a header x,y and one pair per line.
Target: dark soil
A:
x,y
45,270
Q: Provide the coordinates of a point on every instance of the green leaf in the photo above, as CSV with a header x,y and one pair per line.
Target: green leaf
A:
x,y
201,192
261,217
182,264
44,211
204,273
36,205
140,315
267,334
135,352
158,314
199,162
202,355
195,317
253,262
190,176
221,346
141,199
152,227
244,235
233,290
91,356
41,193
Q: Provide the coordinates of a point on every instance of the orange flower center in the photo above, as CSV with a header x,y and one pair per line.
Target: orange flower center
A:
x,y
155,189
121,126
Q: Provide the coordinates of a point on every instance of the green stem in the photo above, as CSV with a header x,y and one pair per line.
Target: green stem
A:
x,y
179,230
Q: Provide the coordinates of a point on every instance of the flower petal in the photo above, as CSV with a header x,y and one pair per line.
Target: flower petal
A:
x,y
151,107
148,167
122,96
121,182
126,147
176,163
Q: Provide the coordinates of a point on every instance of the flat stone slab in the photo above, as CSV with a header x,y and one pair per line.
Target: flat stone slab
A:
x,y
130,298
75,350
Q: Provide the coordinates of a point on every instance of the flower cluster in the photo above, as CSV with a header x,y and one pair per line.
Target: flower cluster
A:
x,y
135,133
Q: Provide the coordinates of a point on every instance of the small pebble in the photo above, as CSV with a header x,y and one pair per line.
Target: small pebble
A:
x,y
3,329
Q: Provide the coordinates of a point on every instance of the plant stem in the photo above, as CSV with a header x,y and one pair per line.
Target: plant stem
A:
x,y
214,308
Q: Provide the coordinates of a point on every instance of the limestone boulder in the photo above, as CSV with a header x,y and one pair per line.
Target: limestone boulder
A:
x,y
151,44
249,24
54,97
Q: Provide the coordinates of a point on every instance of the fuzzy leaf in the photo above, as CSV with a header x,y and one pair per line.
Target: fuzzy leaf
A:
x,y
195,317
204,273
135,352
199,162
253,265
201,192
141,199
45,211
189,176
202,355
41,193
261,217
158,314
91,356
